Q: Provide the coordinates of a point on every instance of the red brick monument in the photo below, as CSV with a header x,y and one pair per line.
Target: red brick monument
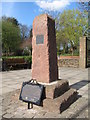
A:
x,y
44,55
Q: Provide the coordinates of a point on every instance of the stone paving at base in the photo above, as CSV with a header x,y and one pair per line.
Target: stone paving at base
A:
x,y
12,107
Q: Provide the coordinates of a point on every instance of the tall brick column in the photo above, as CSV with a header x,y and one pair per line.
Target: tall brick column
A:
x,y
83,52
44,54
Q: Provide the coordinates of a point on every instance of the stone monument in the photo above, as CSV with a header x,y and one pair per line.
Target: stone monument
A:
x,y
59,95
44,55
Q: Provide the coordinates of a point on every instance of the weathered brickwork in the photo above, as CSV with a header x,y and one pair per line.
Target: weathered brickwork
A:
x,y
44,57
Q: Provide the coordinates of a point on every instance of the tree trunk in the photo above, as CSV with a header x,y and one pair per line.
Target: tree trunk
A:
x,y
72,50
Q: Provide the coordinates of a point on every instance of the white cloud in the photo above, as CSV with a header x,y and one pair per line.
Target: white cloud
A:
x,y
52,5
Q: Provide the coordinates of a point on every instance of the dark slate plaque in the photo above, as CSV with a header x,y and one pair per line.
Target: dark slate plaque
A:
x,y
39,39
31,92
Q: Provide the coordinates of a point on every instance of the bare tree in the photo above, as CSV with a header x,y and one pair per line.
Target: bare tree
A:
x,y
25,31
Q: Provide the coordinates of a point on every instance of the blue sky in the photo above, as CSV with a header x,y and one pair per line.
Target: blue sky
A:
x,y
25,12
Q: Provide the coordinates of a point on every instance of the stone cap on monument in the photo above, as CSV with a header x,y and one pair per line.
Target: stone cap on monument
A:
x,y
45,15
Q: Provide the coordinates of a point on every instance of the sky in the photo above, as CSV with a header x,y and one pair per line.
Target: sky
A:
x,y
25,12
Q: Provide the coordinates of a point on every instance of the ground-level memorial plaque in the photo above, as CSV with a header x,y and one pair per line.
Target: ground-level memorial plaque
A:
x,y
31,93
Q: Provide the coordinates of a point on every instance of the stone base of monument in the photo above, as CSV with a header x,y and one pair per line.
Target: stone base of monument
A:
x,y
55,89
59,96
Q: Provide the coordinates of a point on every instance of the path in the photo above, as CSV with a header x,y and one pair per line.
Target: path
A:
x,y
12,81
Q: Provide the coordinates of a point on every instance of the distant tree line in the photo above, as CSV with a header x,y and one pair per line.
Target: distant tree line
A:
x,y
13,34
70,26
